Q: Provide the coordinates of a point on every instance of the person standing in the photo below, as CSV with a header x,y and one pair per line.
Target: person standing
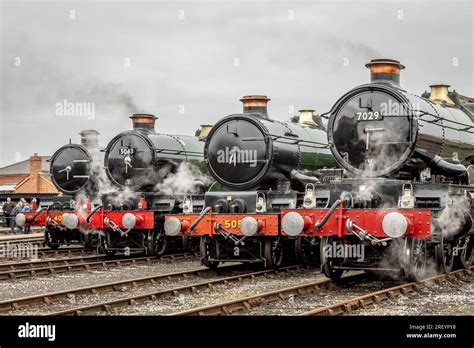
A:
x,y
26,208
13,215
7,210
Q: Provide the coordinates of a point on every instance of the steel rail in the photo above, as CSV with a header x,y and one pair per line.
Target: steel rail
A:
x,y
48,298
246,303
14,270
109,306
378,297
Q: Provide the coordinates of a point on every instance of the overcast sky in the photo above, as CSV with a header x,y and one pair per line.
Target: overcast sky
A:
x,y
189,62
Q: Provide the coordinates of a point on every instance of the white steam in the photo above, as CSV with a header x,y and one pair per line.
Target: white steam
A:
x,y
187,180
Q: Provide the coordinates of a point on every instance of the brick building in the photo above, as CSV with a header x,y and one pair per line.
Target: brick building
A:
x,y
28,179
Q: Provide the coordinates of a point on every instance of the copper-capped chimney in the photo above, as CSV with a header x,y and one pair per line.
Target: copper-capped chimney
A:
x,y
255,104
89,138
385,71
144,122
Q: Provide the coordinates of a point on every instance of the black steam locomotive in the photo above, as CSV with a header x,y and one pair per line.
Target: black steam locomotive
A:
x,y
406,200
260,165
153,172
77,168
76,171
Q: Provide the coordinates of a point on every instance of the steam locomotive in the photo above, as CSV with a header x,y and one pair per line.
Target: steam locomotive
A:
x,y
260,166
121,192
76,171
406,199
151,172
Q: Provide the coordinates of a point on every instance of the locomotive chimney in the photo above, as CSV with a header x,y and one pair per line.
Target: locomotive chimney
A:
x,y
255,104
439,94
204,131
385,71
144,122
89,138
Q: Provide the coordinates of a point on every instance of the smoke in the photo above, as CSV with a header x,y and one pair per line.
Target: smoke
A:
x,y
453,218
108,96
187,179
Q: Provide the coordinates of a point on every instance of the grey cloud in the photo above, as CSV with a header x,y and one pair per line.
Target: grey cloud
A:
x,y
190,62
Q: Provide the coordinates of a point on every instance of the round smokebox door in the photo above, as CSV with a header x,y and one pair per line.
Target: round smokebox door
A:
x,y
129,160
237,152
70,168
371,133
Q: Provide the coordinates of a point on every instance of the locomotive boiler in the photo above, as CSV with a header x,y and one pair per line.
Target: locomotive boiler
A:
x,y
261,165
406,197
250,150
140,158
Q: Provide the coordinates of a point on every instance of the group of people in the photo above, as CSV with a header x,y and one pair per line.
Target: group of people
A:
x,y
11,210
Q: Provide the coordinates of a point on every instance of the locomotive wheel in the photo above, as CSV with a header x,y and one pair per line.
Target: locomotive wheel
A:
x,y
444,255
157,242
92,241
273,253
302,251
51,238
95,241
416,258
205,249
466,256
327,264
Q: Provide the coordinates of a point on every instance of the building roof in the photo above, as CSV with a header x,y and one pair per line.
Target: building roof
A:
x,y
465,99
30,186
23,167
12,179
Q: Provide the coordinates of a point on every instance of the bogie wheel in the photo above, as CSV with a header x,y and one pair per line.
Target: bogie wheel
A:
x,y
205,249
327,263
465,256
416,258
185,243
92,241
302,250
51,238
106,246
273,252
157,242
444,255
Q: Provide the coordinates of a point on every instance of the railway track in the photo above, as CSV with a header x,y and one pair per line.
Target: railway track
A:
x,y
381,296
49,298
133,300
246,304
34,240
14,270
8,232
43,253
